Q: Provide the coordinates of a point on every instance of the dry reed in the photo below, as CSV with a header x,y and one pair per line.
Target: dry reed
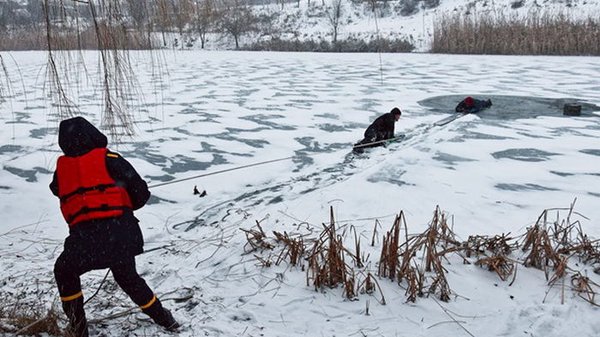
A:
x,y
536,34
418,260
28,319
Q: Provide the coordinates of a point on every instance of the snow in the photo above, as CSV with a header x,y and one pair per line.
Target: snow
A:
x,y
308,20
491,173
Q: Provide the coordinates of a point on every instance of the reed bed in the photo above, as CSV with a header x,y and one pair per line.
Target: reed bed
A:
x,y
498,33
418,263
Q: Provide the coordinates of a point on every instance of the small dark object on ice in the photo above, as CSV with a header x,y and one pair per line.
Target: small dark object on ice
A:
x,y
572,109
203,194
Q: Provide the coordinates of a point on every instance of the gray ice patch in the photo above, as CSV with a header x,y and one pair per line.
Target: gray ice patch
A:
x,y
262,119
593,152
327,115
41,133
10,148
391,176
331,127
163,178
20,118
479,135
562,174
157,200
301,159
524,187
183,163
450,159
29,175
524,154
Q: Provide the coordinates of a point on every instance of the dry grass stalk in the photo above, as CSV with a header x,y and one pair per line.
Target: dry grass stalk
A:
x,y
438,233
369,285
350,284
587,250
293,248
541,253
26,319
375,232
440,283
388,261
414,279
357,257
582,285
256,239
263,262
500,264
482,245
492,252
407,254
326,265
561,234
560,270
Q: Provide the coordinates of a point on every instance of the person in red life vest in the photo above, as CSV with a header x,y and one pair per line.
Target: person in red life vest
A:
x,y
382,128
98,191
472,105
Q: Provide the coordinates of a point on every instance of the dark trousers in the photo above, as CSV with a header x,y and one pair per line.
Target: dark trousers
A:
x,y
69,267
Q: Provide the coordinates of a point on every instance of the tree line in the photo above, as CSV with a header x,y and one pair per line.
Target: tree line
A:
x,y
135,24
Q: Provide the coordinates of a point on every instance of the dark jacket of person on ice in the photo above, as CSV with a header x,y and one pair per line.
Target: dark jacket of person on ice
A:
x,y
472,105
98,191
382,128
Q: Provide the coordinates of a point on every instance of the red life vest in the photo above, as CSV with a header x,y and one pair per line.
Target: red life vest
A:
x,y
86,190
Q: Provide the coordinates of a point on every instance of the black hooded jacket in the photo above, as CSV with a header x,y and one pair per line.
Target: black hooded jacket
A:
x,y
107,240
77,136
382,128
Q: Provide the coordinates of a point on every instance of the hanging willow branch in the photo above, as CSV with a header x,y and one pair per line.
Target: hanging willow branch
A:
x,y
3,80
108,33
62,101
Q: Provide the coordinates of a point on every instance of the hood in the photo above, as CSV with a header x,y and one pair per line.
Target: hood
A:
x,y
77,136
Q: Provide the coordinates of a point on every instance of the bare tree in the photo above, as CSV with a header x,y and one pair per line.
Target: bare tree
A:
x,y
162,17
138,11
282,3
236,19
35,8
334,15
183,12
205,19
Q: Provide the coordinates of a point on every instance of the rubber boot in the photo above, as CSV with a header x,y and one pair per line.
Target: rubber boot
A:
x,y
77,323
161,316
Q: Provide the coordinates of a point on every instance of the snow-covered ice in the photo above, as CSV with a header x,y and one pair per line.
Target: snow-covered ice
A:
x,y
493,173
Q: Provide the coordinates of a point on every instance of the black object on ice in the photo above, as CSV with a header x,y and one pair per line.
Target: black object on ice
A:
x,y
572,109
202,194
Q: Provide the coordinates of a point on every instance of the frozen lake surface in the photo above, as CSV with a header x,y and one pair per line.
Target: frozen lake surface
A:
x,y
493,173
